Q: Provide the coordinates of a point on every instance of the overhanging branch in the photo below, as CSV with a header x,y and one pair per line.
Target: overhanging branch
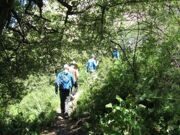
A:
x,y
70,9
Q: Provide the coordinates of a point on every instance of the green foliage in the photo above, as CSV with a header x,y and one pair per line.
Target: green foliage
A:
x,y
146,78
34,111
91,85
150,101
122,119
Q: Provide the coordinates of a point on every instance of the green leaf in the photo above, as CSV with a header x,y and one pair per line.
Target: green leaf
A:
x,y
109,105
117,108
119,98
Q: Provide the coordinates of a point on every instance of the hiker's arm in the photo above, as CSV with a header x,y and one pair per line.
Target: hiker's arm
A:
x,y
56,84
77,74
56,88
72,80
96,63
58,79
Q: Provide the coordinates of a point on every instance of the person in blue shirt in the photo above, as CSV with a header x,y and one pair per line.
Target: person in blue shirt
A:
x,y
91,65
115,53
64,81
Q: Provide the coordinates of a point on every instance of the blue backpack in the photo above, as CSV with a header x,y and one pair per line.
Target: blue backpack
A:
x,y
91,66
115,54
64,80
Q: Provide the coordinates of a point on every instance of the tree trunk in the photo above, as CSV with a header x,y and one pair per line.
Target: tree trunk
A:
x,y
5,9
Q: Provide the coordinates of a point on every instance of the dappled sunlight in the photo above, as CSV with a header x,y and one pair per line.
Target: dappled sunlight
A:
x,y
131,87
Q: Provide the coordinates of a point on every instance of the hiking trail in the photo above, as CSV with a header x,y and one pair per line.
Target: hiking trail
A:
x,y
65,126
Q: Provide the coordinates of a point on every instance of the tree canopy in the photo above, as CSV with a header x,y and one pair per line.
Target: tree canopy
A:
x,y
37,36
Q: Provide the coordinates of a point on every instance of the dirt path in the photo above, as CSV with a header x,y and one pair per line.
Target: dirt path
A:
x,y
65,126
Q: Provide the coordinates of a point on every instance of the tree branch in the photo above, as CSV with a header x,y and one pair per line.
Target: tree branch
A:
x,y
135,49
39,3
39,17
65,4
70,9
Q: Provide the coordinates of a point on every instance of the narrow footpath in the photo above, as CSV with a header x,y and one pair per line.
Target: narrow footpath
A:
x,y
65,126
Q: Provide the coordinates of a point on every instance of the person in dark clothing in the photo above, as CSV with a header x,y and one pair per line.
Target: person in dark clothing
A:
x,y
115,53
64,81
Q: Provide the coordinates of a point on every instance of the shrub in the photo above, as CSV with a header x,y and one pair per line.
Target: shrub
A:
x,y
35,110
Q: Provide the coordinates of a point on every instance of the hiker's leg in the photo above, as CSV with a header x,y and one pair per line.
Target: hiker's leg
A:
x,y
66,95
63,98
71,91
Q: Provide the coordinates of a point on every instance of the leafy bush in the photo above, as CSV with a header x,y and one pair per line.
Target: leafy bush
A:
x,y
153,94
35,110
122,119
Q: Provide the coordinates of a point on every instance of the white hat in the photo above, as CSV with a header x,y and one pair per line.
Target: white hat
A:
x,y
66,66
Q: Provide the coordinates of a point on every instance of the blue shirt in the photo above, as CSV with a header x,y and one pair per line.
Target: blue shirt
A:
x,y
91,65
115,54
65,80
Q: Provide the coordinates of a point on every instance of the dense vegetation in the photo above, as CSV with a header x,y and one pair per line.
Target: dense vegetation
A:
x,y
138,94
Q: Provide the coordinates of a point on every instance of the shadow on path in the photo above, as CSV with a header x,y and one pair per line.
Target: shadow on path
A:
x,y
63,125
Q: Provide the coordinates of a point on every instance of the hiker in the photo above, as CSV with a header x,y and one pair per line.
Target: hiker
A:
x,y
65,81
92,64
56,71
115,53
74,70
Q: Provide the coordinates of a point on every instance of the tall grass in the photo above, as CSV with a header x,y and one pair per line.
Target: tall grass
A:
x,y
35,111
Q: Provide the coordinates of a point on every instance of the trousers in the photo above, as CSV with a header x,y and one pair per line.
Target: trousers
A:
x,y
64,93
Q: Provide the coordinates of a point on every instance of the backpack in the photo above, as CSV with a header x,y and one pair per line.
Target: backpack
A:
x,y
115,54
90,65
64,80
